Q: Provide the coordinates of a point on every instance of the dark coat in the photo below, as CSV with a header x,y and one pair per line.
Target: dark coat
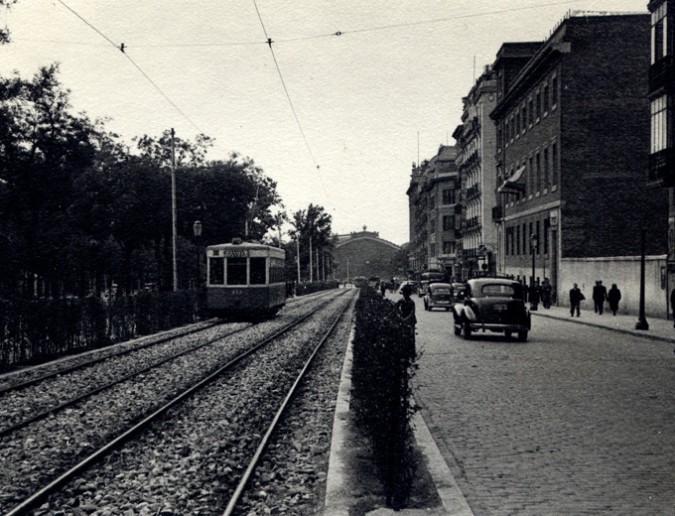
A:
x,y
576,296
613,296
599,293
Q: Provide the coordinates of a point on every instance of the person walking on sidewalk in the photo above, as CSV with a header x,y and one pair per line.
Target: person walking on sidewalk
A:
x,y
546,293
599,297
613,297
576,297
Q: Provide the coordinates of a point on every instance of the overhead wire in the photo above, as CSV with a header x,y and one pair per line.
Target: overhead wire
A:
x,y
288,96
121,47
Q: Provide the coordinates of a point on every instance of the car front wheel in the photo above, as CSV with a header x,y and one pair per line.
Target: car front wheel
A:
x,y
522,336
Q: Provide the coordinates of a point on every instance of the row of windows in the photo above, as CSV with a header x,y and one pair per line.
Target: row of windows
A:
x,y
530,112
449,196
233,271
662,121
520,241
663,33
449,222
542,172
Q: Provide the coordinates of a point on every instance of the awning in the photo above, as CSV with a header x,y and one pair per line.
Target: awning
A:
x,y
511,185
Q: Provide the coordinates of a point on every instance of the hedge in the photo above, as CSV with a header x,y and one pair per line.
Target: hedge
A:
x,y
384,363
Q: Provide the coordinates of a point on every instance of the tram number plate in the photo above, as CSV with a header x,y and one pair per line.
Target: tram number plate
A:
x,y
237,291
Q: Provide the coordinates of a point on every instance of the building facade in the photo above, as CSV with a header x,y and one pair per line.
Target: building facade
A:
x,y
364,253
476,150
662,111
435,213
572,139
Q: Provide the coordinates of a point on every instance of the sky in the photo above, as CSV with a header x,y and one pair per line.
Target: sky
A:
x,y
339,123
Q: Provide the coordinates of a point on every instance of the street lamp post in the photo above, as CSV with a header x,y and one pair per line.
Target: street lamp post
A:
x,y
197,233
534,243
642,323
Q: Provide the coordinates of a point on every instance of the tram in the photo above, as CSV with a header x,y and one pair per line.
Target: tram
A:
x,y
245,280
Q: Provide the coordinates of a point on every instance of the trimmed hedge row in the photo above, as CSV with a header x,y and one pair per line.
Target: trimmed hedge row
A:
x,y
33,331
384,362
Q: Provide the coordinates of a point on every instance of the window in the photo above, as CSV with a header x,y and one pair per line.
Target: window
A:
x,y
448,247
554,92
216,271
538,105
258,266
531,183
662,124
530,112
517,240
661,41
524,113
538,174
546,95
448,222
236,271
554,165
449,196
517,126
547,170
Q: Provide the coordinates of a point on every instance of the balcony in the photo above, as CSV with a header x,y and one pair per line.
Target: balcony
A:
x,y
662,168
472,191
662,75
472,223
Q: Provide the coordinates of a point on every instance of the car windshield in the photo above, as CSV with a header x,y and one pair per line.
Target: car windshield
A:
x,y
441,290
499,290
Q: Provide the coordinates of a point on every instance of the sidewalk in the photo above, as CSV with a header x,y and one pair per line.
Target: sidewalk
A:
x,y
659,329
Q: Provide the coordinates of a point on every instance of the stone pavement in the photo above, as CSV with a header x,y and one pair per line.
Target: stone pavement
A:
x,y
339,500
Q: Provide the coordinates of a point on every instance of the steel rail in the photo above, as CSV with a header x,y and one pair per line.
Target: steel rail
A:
x,y
52,410
38,497
275,421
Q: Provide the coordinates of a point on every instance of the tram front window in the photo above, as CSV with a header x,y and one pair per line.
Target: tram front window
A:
x,y
216,271
258,271
236,271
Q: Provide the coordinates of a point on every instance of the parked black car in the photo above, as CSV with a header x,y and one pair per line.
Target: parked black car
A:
x,y
492,304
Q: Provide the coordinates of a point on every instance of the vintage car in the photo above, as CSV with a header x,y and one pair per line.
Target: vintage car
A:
x,y
457,291
411,284
492,304
438,296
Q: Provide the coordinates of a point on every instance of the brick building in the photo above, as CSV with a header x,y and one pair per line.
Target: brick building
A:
x,y
476,149
662,100
572,140
435,213
364,253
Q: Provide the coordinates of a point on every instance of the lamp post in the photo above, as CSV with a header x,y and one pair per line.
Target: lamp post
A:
x,y
642,323
197,233
534,243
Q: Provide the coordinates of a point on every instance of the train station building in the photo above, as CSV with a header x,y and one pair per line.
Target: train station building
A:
x,y
364,253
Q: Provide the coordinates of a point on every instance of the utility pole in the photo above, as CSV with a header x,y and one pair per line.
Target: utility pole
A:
x,y
173,210
311,265
297,254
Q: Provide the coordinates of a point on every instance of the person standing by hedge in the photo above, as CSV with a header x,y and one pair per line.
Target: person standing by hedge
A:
x,y
405,307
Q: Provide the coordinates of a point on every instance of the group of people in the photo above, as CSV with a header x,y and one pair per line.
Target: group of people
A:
x,y
600,296
538,293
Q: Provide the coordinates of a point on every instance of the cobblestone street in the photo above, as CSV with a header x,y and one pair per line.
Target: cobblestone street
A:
x,y
577,420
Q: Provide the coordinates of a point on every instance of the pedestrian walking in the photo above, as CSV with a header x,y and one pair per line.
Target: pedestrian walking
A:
x,y
613,298
383,288
599,297
546,293
576,297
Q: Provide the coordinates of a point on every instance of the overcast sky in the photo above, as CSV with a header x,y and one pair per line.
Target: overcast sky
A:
x,y
361,98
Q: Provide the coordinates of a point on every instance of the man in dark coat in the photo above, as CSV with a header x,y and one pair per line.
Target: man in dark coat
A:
x,y
576,297
599,297
613,298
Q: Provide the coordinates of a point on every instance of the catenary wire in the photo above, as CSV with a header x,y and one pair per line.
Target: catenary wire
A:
x,y
123,50
288,96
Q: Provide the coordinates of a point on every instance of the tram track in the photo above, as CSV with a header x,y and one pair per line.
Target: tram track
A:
x,y
50,423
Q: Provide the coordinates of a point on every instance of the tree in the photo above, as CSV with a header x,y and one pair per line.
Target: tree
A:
x,y
4,33
313,227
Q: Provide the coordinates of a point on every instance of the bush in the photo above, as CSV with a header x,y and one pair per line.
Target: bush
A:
x,y
315,286
383,367
33,331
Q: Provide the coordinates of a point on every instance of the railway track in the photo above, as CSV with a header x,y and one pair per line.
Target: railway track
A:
x,y
121,436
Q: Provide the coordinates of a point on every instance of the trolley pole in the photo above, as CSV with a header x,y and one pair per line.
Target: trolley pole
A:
x,y
173,210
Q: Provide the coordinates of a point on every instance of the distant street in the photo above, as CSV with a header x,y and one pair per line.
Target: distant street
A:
x,y
576,420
